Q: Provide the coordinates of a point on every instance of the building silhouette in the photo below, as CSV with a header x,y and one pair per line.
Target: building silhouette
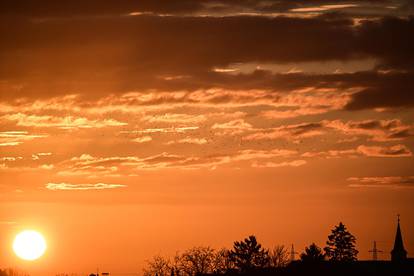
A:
x,y
398,253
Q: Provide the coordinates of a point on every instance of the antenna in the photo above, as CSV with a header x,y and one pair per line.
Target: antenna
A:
x,y
292,253
375,252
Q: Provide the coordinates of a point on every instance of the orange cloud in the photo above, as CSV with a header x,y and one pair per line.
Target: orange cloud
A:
x,y
174,118
15,138
378,151
297,131
363,150
295,163
378,130
162,130
234,127
81,187
68,122
142,139
189,140
382,182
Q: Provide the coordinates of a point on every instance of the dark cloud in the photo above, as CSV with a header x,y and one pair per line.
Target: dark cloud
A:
x,y
96,55
391,92
50,8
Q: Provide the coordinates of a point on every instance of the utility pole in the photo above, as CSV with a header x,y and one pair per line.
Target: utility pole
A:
x,y
375,252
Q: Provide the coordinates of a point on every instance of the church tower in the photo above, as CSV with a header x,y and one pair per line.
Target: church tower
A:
x,y
398,253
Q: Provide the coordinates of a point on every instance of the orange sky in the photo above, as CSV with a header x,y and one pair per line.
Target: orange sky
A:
x,y
134,129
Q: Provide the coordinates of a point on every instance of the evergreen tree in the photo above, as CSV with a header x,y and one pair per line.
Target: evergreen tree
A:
x,y
341,245
312,254
248,255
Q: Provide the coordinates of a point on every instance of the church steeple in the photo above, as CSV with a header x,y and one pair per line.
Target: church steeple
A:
x,y
398,253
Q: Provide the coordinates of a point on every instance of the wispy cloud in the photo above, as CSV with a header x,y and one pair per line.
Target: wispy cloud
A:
x,y
363,150
323,8
162,130
377,130
81,187
292,132
15,138
142,139
233,127
384,151
174,118
382,182
69,122
295,163
189,140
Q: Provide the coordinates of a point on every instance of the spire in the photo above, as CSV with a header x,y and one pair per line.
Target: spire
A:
x,y
398,253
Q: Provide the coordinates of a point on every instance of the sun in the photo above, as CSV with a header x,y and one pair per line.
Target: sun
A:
x,y
29,245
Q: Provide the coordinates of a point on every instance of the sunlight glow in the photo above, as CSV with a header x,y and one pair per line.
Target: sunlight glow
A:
x,y
29,245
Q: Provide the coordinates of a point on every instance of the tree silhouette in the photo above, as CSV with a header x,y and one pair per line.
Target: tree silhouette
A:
x,y
248,255
312,254
341,245
196,260
158,265
278,256
222,262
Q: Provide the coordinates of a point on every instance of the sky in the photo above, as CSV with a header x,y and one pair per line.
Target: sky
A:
x,y
135,128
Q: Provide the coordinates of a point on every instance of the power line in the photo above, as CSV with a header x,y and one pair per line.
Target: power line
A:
x,y
375,252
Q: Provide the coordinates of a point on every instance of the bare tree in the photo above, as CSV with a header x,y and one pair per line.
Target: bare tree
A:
x,y
278,256
158,265
196,260
222,262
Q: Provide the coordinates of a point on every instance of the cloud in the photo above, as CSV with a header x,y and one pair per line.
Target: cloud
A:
x,y
26,168
332,153
68,122
393,92
324,8
295,163
95,8
79,50
38,155
174,118
117,166
233,127
383,151
363,150
15,138
11,158
162,130
250,154
294,132
378,130
382,182
142,139
304,100
81,187
189,140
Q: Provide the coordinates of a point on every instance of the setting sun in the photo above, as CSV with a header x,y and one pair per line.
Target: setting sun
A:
x,y
29,245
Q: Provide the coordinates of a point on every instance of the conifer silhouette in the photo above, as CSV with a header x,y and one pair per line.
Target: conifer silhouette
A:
x,y
341,245
312,254
248,255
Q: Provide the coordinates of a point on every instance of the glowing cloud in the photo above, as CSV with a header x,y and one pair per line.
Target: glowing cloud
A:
x,y
81,187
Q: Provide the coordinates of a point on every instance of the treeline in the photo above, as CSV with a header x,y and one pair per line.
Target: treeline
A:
x,y
249,256
12,272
